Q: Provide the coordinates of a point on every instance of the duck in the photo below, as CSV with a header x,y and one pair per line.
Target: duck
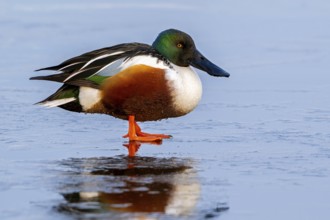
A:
x,y
136,82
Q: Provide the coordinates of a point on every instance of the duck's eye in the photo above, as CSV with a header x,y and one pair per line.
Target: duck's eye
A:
x,y
179,45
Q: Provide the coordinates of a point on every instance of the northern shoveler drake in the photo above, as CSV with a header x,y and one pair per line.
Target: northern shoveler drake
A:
x,y
134,81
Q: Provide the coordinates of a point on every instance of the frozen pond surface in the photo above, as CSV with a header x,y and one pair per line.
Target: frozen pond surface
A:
x,y
257,146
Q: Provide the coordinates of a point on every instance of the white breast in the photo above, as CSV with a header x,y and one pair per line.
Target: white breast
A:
x,y
186,88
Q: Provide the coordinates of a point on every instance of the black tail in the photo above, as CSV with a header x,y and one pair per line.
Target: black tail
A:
x,y
55,77
66,91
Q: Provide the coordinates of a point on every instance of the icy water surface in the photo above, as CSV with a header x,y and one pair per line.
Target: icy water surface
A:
x,y
257,146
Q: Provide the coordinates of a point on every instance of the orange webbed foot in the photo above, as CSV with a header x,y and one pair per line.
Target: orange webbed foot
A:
x,y
135,133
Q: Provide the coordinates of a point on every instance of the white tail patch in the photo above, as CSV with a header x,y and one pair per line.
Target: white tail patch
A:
x,y
88,97
89,195
57,102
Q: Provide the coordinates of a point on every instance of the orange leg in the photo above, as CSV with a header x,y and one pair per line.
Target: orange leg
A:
x,y
135,133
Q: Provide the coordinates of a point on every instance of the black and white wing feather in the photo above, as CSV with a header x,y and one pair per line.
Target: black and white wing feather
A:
x,y
74,71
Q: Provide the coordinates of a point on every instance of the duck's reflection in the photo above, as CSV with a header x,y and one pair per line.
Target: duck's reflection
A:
x,y
128,187
134,146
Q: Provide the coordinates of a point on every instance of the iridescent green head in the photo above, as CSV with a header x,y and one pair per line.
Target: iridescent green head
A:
x,y
176,46
179,48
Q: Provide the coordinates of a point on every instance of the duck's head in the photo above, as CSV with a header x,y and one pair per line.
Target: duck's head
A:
x,y
179,48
